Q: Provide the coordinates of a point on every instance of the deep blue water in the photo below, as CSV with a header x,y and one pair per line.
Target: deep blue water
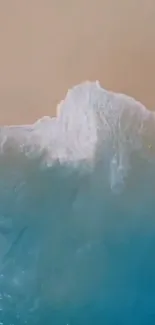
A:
x,y
77,240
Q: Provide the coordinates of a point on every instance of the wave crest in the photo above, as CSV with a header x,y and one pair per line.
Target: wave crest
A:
x,y
91,124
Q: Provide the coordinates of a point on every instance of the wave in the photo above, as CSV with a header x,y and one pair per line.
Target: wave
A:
x,y
77,230
91,123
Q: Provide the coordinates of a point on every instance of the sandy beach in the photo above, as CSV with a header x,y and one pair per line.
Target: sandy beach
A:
x,y
47,46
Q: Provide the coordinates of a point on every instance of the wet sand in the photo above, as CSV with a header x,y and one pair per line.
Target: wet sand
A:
x,y
47,46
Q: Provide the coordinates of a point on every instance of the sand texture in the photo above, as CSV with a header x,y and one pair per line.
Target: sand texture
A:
x,y
47,46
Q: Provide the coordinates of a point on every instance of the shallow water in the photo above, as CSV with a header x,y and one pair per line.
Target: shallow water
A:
x,y
77,227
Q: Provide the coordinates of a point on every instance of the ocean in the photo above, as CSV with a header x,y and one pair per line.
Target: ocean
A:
x,y
77,214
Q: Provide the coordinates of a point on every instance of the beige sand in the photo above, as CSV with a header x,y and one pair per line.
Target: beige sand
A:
x,y
46,46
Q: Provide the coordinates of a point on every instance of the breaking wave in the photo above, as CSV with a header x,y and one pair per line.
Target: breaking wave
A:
x,y
77,214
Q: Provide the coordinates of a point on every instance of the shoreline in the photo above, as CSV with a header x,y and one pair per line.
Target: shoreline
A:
x,y
124,97
47,48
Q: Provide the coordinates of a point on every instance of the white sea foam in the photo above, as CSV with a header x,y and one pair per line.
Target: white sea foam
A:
x,y
90,121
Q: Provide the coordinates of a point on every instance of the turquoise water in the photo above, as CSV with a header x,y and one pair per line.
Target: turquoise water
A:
x,y
77,207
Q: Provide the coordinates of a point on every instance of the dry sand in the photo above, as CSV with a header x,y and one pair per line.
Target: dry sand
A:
x,y
47,46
